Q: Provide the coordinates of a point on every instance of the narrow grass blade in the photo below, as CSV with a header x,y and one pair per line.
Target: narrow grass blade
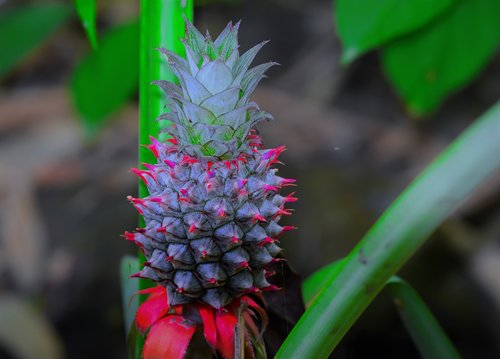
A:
x,y
427,334
87,12
400,231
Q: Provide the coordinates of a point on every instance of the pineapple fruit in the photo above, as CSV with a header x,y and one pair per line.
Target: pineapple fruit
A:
x,y
213,210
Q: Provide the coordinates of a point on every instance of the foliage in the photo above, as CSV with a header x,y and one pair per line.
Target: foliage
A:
x,y
107,77
87,12
429,337
31,26
430,49
400,231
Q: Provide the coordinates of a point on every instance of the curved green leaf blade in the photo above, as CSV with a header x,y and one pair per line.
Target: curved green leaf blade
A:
x,y
87,12
366,24
430,64
399,232
107,78
427,334
24,28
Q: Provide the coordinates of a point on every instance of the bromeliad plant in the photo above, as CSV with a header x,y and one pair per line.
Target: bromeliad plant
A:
x,y
211,217
211,207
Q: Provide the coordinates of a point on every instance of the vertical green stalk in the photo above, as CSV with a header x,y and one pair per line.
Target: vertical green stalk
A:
x,y
161,25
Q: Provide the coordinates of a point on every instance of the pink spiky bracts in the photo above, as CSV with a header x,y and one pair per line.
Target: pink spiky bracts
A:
x,y
211,226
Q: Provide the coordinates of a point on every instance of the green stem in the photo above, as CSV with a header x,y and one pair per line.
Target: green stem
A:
x,y
400,231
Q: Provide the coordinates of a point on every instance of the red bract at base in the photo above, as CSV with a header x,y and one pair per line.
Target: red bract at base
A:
x,y
170,329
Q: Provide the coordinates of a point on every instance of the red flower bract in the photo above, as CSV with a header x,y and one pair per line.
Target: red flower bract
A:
x,y
170,328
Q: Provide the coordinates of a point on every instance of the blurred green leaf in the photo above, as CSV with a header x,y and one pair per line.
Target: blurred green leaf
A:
x,y
25,333
86,11
424,329
429,65
24,28
107,78
467,162
365,24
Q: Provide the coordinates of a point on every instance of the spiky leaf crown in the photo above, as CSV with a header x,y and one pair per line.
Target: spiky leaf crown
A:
x,y
211,108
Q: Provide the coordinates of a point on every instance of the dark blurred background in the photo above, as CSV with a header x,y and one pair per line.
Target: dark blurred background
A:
x,y
351,145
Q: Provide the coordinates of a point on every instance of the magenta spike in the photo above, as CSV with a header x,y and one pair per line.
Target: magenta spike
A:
x,y
259,217
268,187
209,186
282,212
285,181
269,273
192,228
266,240
156,199
149,166
242,182
235,240
243,264
153,147
173,141
169,163
189,160
129,236
289,198
140,174
271,288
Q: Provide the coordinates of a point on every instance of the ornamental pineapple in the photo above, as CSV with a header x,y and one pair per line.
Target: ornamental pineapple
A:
x,y
214,205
